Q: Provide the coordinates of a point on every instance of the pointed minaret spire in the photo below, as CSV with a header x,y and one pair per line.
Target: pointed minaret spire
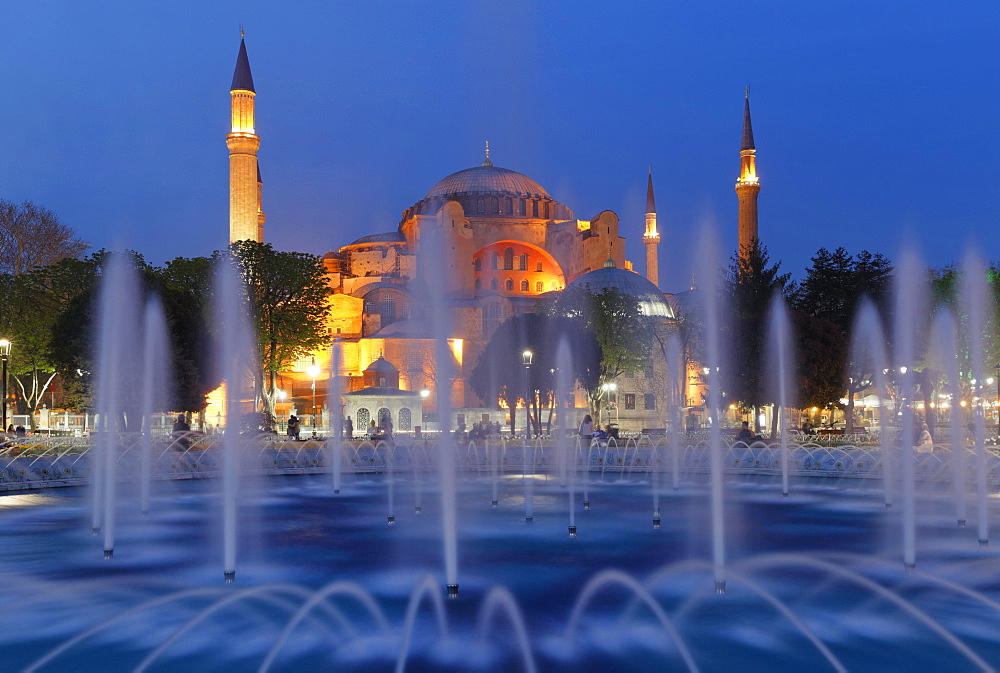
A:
x,y
486,160
242,79
748,185
747,126
246,217
651,239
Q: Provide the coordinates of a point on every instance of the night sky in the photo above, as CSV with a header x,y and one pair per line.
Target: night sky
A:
x,y
875,121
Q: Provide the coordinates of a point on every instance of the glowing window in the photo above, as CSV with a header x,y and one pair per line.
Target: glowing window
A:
x,y
405,419
524,286
539,286
538,266
364,417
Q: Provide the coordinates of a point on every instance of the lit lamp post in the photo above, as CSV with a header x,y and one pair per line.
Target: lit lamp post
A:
x,y
997,377
281,398
4,354
313,371
607,389
526,356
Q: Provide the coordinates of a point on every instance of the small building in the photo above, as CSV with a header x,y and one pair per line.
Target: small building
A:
x,y
382,401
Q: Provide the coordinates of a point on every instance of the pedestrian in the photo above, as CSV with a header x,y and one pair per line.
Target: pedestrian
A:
x,y
587,427
293,427
180,433
348,427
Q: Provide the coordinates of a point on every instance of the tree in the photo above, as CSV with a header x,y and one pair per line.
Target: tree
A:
x,y
32,236
287,296
499,373
751,284
185,288
623,333
832,291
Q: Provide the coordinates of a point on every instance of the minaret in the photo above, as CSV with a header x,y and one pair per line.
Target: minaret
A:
x,y
246,218
651,238
747,186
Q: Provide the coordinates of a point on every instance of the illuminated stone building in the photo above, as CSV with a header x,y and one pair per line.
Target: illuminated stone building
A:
x,y
508,242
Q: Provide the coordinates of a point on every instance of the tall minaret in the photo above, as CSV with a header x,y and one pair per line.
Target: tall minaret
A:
x,y
246,218
747,186
652,237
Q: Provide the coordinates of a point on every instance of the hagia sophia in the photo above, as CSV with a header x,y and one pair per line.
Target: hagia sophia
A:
x,y
510,243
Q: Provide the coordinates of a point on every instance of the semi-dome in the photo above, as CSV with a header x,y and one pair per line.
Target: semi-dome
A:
x,y
487,180
651,300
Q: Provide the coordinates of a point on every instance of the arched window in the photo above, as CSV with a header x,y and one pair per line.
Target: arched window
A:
x,y
524,286
364,417
546,210
508,206
369,307
508,259
534,208
509,285
520,207
555,285
493,315
481,206
493,284
538,266
479,283
494,205
495,261
522,262
384,418
388,308
539,286
405,419
477,264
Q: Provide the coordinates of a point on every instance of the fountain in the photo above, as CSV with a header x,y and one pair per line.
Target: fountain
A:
x,y
778,564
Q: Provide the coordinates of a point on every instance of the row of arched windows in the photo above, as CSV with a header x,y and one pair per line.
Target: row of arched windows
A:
x,y
404,417
508,207
508,262
509,285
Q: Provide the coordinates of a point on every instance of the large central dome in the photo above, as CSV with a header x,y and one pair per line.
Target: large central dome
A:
x,y
489,180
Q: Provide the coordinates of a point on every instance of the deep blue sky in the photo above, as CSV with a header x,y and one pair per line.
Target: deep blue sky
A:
x,y
872,118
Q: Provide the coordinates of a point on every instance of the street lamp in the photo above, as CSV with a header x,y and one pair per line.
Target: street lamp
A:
x,y
4,354
606,389
313,371
281,397
526,357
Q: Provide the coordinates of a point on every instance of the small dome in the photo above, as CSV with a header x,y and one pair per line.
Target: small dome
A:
x,y
487,179
382,365
387,237
651,300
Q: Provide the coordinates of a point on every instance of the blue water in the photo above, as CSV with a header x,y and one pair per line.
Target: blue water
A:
x,y
825,554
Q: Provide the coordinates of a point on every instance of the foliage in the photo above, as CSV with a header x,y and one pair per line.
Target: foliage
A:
x,y
750,285
287,297
832,291
32,236
624,335
500,374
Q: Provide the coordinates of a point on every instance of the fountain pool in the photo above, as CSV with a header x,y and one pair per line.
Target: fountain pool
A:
x,y
814,579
